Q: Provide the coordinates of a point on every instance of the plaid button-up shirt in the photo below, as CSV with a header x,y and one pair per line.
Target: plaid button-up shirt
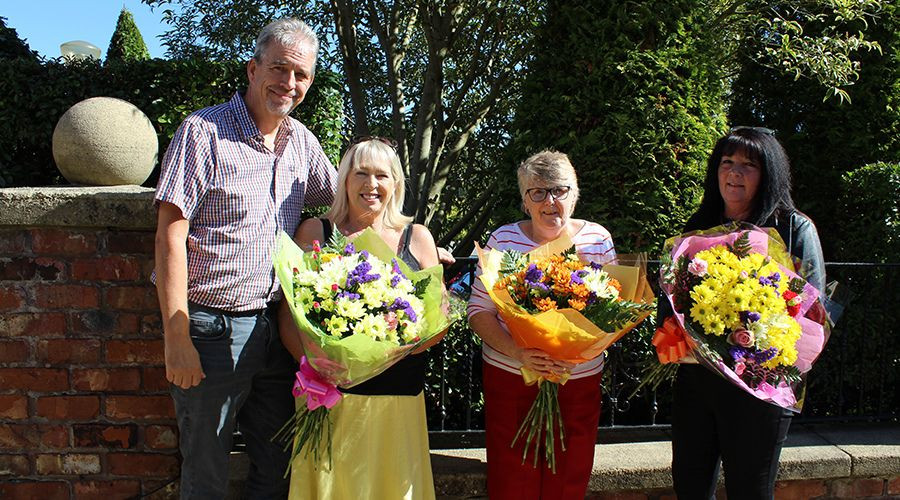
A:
x,y
236,195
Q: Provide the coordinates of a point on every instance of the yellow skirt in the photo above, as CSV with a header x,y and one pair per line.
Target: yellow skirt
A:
x,y
379,452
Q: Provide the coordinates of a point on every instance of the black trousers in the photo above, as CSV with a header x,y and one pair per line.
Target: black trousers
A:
x,y
712,419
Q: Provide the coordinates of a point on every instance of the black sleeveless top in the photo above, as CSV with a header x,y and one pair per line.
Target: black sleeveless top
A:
x,y
407,376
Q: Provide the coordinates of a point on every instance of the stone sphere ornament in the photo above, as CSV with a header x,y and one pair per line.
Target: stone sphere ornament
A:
x,y
104,141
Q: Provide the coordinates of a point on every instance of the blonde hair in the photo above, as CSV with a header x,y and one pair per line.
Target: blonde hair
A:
x,y
550,168
371,152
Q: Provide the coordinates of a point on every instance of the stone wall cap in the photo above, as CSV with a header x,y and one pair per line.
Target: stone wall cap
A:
x,y
812,452
127,207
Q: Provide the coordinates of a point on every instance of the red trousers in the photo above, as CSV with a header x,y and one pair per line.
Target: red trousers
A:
x,y
507,400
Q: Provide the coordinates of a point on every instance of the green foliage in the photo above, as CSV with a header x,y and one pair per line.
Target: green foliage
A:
x,y
622,90
871,224
127,44
825,140
227,30
33,96
741,247
11,46
815,40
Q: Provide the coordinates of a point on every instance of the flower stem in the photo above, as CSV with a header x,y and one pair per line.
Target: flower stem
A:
x,y
545,417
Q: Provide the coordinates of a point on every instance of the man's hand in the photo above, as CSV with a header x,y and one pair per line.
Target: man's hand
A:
x,y
182,360
444,256
183,363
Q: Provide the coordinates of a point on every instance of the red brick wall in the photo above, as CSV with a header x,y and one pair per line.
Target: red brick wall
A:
x,y
84,404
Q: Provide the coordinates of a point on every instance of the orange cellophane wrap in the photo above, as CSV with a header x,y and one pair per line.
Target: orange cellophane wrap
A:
x,y
564,334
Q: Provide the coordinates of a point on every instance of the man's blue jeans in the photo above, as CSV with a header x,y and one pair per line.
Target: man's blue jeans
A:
x,y
249,376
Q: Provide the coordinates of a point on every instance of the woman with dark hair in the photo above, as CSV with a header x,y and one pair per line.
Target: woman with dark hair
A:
x,y
747,179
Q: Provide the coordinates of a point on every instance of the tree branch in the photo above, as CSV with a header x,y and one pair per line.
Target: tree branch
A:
x,y
388,38
475,208
346,34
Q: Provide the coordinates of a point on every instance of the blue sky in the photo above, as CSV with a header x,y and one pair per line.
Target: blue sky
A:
x,y
45,24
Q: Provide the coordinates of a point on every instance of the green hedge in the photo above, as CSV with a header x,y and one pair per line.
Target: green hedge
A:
x,y
624,93
33,96
870,230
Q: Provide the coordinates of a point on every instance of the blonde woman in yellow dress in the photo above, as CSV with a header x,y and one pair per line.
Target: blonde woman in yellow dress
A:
x,y
379,434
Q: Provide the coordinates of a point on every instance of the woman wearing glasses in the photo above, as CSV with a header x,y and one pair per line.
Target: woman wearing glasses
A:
x,y
747,179
549,191
379,437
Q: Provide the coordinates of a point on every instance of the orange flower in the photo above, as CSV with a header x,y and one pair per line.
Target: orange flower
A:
x,y
580,291
545,304
615,284
576,304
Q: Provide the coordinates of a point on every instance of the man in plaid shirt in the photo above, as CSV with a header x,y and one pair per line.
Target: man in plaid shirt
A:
x,y
234,176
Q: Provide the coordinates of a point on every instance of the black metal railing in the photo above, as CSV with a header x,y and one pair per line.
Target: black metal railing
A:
x,y
855,379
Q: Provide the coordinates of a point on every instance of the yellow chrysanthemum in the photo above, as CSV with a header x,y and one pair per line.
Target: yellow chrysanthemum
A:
x,y
703,292
738,298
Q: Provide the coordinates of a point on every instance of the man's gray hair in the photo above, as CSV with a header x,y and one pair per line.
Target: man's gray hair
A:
x,y
288,32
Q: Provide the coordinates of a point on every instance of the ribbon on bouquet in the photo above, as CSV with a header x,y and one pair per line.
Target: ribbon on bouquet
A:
x,y
531,377
317,390
670,342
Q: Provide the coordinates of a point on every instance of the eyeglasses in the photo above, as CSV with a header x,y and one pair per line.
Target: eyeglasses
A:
x,y
365,138
538,195
761,130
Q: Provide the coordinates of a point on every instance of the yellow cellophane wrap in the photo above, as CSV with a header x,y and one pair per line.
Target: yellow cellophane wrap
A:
x,y
564,334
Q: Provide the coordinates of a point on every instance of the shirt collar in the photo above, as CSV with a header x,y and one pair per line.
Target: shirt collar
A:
x,y
247,126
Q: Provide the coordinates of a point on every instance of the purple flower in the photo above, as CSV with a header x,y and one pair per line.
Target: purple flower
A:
x,y
595,266
364,254
395,268
533,273
760,357
748,317
402,305
771,280
348,295
751,356
533,277
577,275
398,274
360,274
349,249
739,353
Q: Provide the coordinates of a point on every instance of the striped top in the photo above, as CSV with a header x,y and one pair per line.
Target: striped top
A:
x,y
593,244
237,195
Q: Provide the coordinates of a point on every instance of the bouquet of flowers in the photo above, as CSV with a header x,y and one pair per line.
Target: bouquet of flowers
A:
x,y
359,309
571,310
742,310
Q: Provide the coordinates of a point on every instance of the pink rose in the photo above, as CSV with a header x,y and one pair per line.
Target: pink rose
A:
x,y
741,337
698,267
739,368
